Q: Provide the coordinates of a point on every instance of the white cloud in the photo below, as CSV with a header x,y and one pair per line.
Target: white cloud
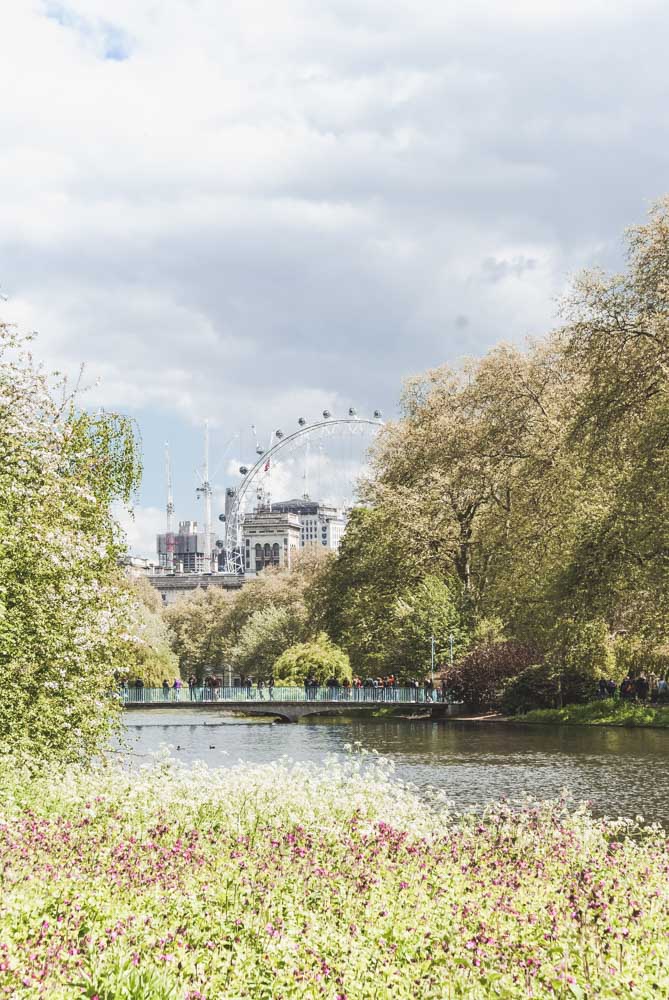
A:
x,y
250,211
140,529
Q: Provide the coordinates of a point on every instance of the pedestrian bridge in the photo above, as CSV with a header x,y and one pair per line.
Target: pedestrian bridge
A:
x,y
290,704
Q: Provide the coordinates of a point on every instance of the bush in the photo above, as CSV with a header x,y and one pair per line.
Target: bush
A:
x,y
480,678
319,658
537,686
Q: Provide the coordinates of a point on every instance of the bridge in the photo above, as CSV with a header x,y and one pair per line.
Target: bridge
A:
x,y
290,704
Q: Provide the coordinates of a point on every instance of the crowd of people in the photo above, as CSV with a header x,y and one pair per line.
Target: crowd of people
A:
x,y
382,689
641,688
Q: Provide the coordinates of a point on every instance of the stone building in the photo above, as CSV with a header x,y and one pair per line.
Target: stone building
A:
x,y
320,524
270,538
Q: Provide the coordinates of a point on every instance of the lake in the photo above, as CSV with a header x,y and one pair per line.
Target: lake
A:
x,y
622,772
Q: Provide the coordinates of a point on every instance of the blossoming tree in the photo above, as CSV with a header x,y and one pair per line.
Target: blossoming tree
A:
x,y
64,613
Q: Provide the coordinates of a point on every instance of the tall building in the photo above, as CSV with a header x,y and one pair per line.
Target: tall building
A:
x,y
188,549
320,524
270,538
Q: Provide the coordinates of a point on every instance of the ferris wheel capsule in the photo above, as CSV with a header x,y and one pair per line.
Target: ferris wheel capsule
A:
x,y
326,414
377,414
260,450
301,421
278,434
352,412
243,469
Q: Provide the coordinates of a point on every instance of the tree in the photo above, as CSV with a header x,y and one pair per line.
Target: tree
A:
x,y
265,636
148,653
616,343
420,614
216,629
64,610
198,630
319,658
352,595
579,652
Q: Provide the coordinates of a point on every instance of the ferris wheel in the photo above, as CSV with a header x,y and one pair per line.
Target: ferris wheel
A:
x,y
327,456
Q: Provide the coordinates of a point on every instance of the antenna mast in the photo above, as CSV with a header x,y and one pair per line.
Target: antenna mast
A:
x,y
205,491
169,511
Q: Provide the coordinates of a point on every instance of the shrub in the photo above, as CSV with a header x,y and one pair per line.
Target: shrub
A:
x,y
537,686
480,678
319,658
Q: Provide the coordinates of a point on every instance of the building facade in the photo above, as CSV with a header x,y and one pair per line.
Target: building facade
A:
x,y
320,524
270,538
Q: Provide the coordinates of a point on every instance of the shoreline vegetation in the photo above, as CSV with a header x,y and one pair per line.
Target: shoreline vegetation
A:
x,y
302,881
607,712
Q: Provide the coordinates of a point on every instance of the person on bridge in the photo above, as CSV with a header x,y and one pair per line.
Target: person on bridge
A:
x,y
270,686
166,689
311,688
192,687
261,689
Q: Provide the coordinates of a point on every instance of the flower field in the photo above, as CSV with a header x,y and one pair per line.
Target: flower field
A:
x,y
294,881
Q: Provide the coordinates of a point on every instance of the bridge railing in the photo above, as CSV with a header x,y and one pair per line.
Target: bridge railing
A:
x,y
132,695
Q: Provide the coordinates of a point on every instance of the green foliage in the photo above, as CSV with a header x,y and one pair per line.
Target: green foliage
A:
x,y
265,636
197,630
320,658
607,712
579,653
351,596
66,616
148,653
420,612
537,686
245,629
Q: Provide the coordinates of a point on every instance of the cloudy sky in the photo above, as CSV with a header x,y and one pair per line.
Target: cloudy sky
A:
x,y
246,211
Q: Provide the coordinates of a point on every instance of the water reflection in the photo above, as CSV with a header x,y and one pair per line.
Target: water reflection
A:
x,y
621,771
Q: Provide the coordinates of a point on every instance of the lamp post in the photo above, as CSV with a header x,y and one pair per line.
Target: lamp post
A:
x,y
432,659
450,640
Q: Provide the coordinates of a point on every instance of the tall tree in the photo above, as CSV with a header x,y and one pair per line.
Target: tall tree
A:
x,y
64,612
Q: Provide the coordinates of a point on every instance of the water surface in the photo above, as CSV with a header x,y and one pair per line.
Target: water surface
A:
x,y
622,772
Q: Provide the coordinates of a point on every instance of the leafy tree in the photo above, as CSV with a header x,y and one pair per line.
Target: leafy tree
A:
x,y
536,686
198,630
265,636
215,628
352,595
580,652
149,654
320,658
420,613
65,613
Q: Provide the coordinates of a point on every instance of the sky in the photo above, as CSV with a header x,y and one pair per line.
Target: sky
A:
x,y
248,212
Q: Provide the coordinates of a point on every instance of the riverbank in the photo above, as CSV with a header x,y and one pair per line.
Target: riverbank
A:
x,y
332,881
607,712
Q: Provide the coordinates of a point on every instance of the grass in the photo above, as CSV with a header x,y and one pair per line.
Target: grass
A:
x,y
607,712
